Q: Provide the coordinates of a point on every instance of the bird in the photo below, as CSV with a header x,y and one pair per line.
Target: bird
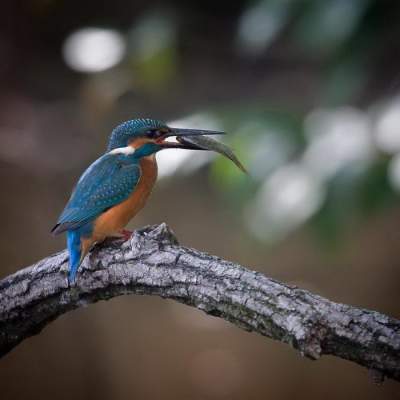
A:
x,y
116,186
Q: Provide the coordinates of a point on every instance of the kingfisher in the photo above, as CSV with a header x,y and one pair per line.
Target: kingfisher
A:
x,y
116,186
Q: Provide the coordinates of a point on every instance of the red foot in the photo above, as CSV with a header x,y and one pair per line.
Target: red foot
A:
x,y
126,234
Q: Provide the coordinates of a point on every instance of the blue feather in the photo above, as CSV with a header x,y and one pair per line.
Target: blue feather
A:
x,y
107,182
74,249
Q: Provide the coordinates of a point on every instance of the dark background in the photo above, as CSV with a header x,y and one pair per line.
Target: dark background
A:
x,y
308,91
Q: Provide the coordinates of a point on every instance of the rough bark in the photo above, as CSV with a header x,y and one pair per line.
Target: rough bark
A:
x,y
153,263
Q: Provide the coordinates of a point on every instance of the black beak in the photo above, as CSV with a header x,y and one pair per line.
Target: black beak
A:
x,y
193,132
181,133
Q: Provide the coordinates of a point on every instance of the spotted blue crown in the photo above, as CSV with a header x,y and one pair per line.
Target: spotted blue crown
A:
x,y
123,133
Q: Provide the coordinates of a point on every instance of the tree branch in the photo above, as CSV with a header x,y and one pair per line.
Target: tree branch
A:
x,y
153,263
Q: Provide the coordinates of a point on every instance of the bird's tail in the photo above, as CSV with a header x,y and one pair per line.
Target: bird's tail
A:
x,y
75,254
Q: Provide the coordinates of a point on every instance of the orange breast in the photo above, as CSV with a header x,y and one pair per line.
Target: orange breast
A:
x,y
116,218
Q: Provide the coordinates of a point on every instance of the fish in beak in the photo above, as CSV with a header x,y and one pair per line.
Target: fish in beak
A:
x,y
199,139
179,134
208,143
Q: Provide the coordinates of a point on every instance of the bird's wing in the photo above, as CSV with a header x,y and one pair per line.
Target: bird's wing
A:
x,y
106,183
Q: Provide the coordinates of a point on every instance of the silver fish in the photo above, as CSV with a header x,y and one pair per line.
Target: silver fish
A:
x,y
208,143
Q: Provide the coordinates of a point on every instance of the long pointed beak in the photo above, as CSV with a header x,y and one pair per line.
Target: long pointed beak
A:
x,y
182,132
193,132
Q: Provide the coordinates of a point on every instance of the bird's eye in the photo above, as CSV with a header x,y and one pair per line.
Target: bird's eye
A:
x,y
156,133
150,133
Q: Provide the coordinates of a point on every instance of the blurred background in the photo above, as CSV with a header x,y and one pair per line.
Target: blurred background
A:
x,y
309,92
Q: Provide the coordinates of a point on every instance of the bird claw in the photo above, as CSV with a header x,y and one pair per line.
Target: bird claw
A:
x,y
122,235
126,234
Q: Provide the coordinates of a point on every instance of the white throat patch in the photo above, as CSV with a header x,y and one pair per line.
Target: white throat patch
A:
x,y
128,150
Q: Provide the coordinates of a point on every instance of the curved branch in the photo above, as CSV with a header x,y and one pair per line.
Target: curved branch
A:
x,y
153,263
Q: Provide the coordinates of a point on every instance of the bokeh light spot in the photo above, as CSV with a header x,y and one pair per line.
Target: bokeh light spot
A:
x,y
387,132
337,138
93,49
290,196
260,24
